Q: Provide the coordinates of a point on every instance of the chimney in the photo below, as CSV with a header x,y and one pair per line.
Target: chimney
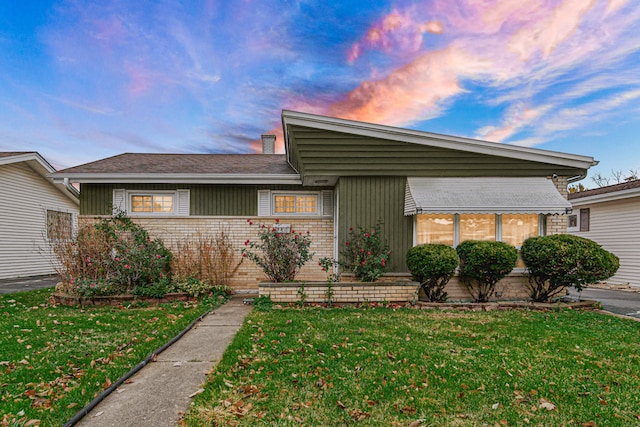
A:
x,y
268,144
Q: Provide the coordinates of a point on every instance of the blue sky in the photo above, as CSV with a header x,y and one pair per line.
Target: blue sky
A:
x,y
84,80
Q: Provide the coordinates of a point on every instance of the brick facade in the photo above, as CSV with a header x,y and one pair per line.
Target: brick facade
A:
x,y
557,224
343,292
172,230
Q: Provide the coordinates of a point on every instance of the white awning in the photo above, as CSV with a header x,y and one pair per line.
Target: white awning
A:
x,y
483,195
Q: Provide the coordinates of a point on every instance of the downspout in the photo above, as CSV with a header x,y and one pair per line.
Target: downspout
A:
x,y
576,178
582,175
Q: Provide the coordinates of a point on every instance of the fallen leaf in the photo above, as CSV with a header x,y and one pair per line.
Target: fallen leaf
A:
x,y
107,383
545,404
197,392
340,404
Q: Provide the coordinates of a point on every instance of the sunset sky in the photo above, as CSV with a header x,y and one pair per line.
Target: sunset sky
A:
x,y
84,80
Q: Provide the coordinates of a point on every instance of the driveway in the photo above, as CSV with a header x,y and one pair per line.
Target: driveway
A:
x,y
616,301
9,286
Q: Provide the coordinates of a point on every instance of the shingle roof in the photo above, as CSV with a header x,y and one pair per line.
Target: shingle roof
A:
x,y
14,153
605,190
134,163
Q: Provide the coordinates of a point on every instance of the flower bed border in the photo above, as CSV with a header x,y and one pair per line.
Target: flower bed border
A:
x,y
510,305
341,292
115,300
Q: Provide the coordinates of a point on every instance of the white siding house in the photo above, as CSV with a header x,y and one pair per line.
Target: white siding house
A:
x,y
610,216
28,199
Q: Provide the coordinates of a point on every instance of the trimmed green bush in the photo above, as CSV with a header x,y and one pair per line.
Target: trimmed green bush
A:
x,y
433,265
483,264
557,261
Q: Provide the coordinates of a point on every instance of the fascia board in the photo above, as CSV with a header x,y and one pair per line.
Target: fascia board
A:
x,y
436,140
167,178
606,197
44,168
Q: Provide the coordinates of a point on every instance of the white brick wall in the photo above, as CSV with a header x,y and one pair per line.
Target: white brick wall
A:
x,y
173,230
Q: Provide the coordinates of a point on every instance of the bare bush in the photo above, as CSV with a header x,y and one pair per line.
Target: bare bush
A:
x,y
210,258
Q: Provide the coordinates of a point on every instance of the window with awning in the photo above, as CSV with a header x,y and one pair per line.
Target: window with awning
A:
x,y
452,210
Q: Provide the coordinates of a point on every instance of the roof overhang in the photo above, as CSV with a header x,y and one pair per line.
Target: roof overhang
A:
x,y
432,139
606,197
44,168
179,178
483,195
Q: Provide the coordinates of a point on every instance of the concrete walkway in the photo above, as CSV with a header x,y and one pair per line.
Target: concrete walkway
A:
x,y
160,392
23,284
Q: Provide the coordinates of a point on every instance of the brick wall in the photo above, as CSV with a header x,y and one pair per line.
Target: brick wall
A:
x,y
172,230
344,292
557,224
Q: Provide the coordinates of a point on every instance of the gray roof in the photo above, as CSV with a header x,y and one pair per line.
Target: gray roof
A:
x,y
15,153
606,190
494,195
145,163
184,168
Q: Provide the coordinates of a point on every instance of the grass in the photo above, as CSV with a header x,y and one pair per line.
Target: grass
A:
x,y
56,359
386,367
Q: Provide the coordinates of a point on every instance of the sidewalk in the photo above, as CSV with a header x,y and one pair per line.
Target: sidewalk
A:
x,y
160,392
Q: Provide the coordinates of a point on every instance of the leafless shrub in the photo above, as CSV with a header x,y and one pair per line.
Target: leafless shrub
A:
x,y
210,258
86,255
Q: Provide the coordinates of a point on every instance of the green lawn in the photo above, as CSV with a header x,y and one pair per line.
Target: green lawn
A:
x,y
55,359
385,367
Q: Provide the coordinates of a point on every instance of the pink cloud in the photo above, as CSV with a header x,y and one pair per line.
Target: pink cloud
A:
x,y
516,118
395,32
614,5
519,46
140,80
411,92
546,34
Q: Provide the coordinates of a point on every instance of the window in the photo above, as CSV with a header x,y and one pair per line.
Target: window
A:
x,y
516,228
477,227
584,219
306,204
435,228
295,203
152,203
452,229
59,225
144,202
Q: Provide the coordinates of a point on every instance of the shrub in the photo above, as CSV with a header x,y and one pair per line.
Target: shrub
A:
x,y
196,288
483,264
557,261
210,258
365,254
279,254
433,265
113,256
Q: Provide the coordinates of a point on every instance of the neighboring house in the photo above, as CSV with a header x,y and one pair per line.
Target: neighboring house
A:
x,y
337,174
31,205
610,216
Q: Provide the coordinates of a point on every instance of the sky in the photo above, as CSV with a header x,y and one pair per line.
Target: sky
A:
x,y
84,80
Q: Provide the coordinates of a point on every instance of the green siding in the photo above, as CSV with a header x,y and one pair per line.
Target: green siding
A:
x,y
205,200
366,200
326,153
